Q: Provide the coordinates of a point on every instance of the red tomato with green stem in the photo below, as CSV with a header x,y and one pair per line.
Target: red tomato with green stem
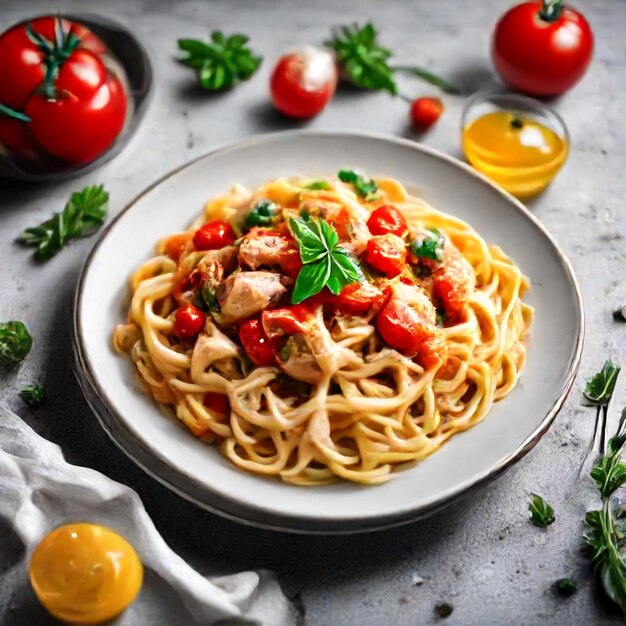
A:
x,y
52,71
303,82
542,48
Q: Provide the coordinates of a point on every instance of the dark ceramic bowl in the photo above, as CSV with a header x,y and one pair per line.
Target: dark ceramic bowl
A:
x,y
128,51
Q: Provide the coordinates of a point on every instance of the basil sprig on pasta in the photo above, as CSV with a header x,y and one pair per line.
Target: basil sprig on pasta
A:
x,y
324,262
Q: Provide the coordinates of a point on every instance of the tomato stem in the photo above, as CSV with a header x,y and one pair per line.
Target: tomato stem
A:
x,y
55,53
551,10
9,112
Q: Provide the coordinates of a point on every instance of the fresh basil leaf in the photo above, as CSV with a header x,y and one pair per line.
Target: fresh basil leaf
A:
x,y
311,279
344,271
541,513
365,187
599,388
308,236
328,234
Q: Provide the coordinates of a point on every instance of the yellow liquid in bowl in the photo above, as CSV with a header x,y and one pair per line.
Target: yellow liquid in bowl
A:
x,y
85,573
519,153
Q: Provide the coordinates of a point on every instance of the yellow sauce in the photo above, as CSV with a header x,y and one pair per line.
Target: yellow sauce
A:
x,y
84,573
519,153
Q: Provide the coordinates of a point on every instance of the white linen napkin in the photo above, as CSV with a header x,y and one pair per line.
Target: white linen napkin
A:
x,y
39,491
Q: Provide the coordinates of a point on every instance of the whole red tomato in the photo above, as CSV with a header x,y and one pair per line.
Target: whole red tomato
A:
x,y
54,72
542,48
303,82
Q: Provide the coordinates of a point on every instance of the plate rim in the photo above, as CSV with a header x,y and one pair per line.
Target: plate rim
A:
x,y
309,524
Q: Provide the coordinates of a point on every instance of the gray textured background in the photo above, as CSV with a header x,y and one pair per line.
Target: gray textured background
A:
x,y
481,555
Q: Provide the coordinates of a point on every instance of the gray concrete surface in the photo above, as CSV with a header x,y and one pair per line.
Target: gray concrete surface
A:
x,y
481,555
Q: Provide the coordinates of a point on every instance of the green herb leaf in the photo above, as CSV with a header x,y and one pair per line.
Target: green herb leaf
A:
x,y
362,59
365,187
324,262
565,586
221,63
430,246
15,343
32,396
209,299
263,213
541,513
441,316
599,388
317,185
83,214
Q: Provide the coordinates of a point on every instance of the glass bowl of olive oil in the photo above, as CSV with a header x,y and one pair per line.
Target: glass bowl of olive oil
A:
x,y
518,142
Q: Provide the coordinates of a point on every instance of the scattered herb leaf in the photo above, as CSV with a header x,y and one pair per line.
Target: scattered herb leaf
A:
x,y
325,262
541,513
429,246
443,84
600,387
443,609
565,587
15,343
365,187
263,213
209,299
222,62
317,185
83,214
32,396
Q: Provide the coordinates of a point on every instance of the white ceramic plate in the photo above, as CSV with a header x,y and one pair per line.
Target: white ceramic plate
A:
x,y
164,448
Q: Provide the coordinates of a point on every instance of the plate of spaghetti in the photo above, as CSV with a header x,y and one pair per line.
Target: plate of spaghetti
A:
x,y
326,332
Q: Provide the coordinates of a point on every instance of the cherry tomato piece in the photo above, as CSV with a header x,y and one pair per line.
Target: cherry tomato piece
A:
x,y
303,82
387,219
285,321
213,236
407,320
217,403
425,112
188,321
540,50
256,343
359,299
176,244
453,284
386,254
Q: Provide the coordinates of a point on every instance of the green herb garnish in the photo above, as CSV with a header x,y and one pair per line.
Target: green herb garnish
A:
x,y
83,214
32,396
565,586
541,513
600,387
366,63
317,185
324,262
208,298
15,343
365,187
263,213
222,62
430,246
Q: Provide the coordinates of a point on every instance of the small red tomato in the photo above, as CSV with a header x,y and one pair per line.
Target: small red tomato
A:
x,y
256,343
453,283
387,219
407,320
175,245
188,321
386,254
217,403
425,112
359,299
213,236
303,82
542,48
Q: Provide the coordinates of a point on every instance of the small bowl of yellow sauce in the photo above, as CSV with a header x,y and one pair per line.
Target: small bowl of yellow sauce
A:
x,y
516,141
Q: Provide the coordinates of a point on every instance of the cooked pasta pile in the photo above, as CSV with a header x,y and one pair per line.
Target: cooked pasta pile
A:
x,y
353,384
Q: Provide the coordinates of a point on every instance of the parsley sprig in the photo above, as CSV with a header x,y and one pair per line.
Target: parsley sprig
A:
x,y
541,513
222,62
324,262
605,533
15,343
600,387
83,214
366,63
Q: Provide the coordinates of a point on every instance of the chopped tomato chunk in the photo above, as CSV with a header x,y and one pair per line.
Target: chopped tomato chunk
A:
x,y
453,283
387,219
359,299
386,254
256,343
217,403
213,236
176,244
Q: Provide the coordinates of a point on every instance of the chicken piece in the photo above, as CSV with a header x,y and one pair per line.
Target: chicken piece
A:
x,y
214,348
216,263
243,294
268,249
